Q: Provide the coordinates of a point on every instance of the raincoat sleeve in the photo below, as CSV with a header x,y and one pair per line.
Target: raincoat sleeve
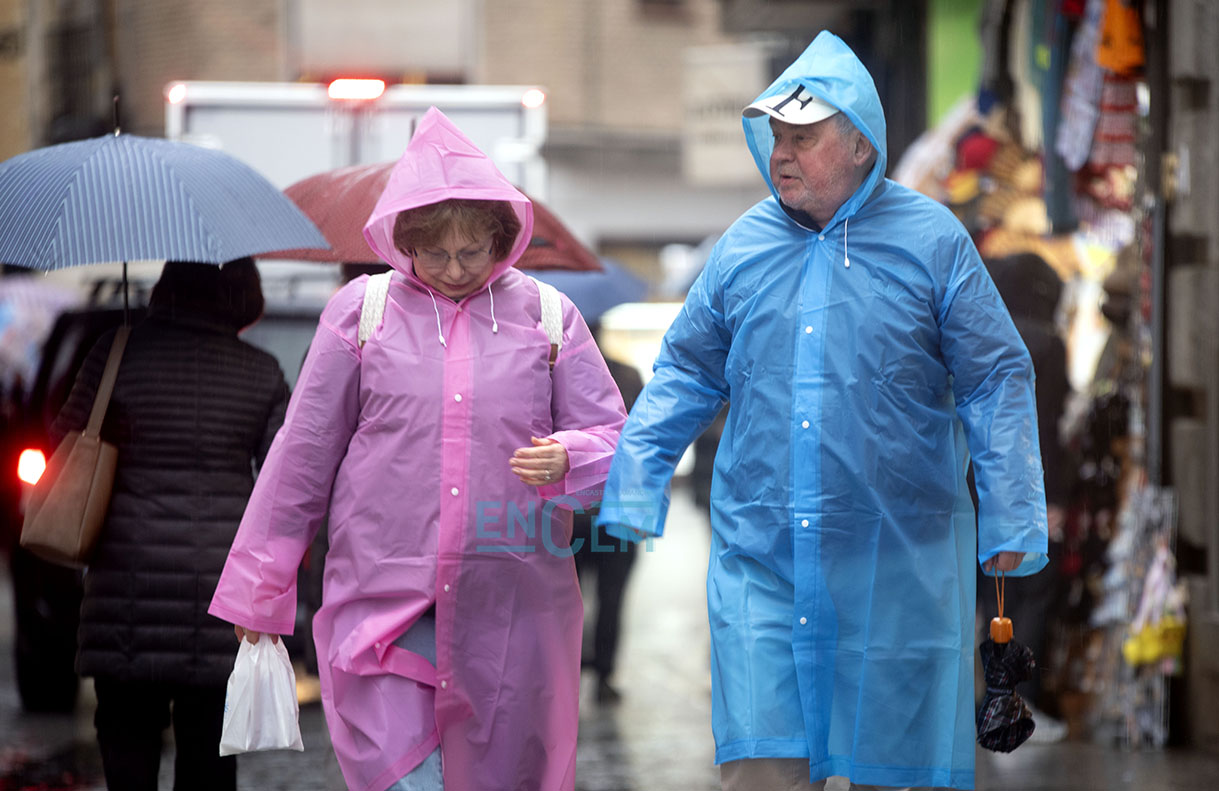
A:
x,y
587,412
257,588
686,392
994,390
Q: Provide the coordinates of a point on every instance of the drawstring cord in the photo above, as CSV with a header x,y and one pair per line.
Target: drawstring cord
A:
x,y
846,249
439,330
494,323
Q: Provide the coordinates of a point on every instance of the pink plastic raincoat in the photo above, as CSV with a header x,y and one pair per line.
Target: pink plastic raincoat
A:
x,y
407,441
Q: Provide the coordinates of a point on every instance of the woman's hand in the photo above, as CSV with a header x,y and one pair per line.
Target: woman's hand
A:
x,y
1004,561
543,463
250,635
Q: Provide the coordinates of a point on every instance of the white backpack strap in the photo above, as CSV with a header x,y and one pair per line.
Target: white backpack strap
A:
x,y
552,317
371,312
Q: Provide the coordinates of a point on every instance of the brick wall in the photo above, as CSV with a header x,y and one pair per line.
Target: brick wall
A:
x,y
162,40
605,63
14,80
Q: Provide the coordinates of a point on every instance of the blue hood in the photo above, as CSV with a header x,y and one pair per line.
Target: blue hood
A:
x,y
829,70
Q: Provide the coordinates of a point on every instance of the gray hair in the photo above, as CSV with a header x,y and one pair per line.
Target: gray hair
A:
x,y
843,123
845,127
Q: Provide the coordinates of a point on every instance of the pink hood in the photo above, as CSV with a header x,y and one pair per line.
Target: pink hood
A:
x,y
441,163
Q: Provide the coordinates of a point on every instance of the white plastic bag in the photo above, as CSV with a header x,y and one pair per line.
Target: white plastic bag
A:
x,y
260,707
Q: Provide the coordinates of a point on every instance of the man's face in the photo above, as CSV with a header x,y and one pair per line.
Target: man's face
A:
x,y
815,167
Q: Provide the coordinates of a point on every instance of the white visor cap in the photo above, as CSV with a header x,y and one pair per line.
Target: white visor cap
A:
x,y
797,107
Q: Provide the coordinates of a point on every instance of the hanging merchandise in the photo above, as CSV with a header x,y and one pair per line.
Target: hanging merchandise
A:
x,y
1157,634
1114,144
1081,91
1141,622
1121,48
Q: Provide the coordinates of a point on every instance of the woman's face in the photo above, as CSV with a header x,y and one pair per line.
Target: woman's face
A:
x,y
455,265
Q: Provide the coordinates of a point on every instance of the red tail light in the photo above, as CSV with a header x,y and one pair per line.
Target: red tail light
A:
x,y
30,465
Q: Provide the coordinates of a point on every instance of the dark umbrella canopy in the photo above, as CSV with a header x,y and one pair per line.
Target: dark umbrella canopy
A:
x,y
119,198
340,201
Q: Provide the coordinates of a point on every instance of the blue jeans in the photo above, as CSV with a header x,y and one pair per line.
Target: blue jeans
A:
x,y
421,639
424,777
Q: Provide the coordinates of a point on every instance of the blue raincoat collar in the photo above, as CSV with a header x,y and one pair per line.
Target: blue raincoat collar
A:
x,y
829,70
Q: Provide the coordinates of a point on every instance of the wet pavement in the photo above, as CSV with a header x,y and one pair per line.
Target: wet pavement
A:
x,y
658,738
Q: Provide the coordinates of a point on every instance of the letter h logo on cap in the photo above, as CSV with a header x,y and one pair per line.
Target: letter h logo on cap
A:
x,y
798,107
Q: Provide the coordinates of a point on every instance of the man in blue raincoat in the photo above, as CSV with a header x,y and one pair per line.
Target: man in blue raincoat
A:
x,y
867,356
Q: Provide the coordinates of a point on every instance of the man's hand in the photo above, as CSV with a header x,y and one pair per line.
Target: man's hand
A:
x,y
1004,561
251,636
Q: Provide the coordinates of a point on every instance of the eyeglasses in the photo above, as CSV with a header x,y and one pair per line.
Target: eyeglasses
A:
x,y
439,259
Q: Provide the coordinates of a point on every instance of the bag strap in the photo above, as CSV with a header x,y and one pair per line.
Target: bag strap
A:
x,y
552,317
106,387
376,292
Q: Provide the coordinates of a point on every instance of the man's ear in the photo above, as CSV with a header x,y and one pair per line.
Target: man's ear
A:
x,y
863,149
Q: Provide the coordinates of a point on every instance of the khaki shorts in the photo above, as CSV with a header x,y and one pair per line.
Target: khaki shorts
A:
x,y
781,774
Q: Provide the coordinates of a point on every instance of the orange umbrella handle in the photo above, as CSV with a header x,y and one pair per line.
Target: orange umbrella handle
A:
x,y
1000,627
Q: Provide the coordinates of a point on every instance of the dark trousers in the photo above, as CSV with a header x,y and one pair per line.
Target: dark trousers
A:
x,y
610,561
131,719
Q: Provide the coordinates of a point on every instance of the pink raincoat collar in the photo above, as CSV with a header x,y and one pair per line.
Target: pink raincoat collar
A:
x,y
441,163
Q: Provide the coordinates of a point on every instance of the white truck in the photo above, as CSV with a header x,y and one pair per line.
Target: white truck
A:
x,y
288,131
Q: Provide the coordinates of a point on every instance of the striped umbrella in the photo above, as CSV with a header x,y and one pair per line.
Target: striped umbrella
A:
x,y
122,198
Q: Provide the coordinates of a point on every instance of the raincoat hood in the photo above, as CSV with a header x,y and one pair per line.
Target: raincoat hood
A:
x,y
829,70
440,163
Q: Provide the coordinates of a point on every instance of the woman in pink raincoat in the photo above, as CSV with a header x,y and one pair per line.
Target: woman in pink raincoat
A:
x,y
449,455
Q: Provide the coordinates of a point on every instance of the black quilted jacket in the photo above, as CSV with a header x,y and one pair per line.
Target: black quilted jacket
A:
x,y
193,409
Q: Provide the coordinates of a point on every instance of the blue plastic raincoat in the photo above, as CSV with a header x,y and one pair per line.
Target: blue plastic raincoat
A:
x,y
864,363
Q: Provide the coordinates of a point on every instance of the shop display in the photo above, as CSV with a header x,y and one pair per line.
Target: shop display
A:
x,y
1046,158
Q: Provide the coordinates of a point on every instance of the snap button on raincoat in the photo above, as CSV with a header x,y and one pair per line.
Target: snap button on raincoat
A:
x,y
864,362
407,442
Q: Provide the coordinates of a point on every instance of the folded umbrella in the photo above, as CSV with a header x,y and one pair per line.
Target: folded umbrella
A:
x,y
1004,719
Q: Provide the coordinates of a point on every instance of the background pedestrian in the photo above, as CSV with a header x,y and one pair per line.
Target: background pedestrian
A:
x,y
193,409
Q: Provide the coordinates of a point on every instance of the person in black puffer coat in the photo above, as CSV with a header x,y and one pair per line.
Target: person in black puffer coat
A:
x,y
194,408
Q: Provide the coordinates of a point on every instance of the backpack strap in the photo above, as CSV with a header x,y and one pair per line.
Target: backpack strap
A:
x,y
552,317
376,292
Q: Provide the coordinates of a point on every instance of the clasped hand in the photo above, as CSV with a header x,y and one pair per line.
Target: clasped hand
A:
x,y
543,463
